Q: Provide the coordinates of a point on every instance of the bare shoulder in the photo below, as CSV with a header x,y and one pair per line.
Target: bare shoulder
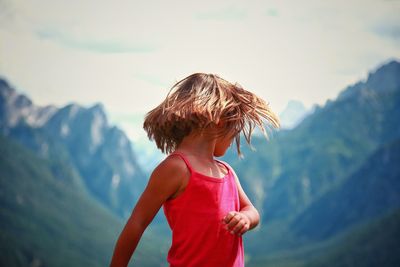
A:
x,y
173,164
171,170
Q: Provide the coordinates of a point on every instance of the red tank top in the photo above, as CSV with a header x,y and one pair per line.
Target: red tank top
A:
x,y
199,237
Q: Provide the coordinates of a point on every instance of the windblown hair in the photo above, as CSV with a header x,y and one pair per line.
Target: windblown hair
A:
x,y
205,101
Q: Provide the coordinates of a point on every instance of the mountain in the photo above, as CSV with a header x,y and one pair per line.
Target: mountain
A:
x,y
305,180
44,221
100,153
148,154
373,243
15,108
298,166
368,193
293,114
384,79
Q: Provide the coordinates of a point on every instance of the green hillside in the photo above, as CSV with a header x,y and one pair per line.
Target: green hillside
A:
x,y
367,193
336,218
372,244
47,221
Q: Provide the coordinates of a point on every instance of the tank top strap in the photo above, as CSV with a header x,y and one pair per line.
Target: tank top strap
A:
x,y
226,165
183,157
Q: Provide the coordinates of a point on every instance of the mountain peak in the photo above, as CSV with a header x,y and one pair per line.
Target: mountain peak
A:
x,y
293,114
389,65
16,108
98,108
5,89
4,83
385,78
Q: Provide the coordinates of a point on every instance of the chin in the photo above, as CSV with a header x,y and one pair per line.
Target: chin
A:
x,y
219,154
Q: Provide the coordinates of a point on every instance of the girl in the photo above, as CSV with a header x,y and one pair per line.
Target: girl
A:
x,y
204,203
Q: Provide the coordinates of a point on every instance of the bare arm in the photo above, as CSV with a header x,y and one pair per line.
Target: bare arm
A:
x,y
247,218
165,180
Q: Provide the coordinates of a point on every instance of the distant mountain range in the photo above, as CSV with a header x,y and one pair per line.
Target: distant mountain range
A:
x,y
66,179
337,169
99,153
327,187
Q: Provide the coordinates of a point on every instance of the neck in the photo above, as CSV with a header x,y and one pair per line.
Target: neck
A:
x,y
199,145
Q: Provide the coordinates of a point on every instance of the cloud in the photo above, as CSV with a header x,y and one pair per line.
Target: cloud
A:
x,y
96,26
151,79
389,30
224,13
272,12
99,46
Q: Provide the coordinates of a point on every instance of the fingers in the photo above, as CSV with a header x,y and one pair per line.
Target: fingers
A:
x,y
237,229
229,216
236,223
244,229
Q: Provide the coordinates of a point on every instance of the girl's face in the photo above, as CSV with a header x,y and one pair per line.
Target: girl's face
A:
x,y
222,144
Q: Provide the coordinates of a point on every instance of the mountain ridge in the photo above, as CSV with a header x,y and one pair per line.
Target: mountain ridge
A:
x,y
287,176
87,141
369,191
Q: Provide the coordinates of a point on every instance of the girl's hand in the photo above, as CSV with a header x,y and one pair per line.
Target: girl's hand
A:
x,y
236,222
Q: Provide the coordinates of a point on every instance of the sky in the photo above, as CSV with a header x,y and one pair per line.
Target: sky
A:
x,y
127,54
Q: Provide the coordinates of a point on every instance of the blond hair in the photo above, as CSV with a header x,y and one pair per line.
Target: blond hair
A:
x,y
204,101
